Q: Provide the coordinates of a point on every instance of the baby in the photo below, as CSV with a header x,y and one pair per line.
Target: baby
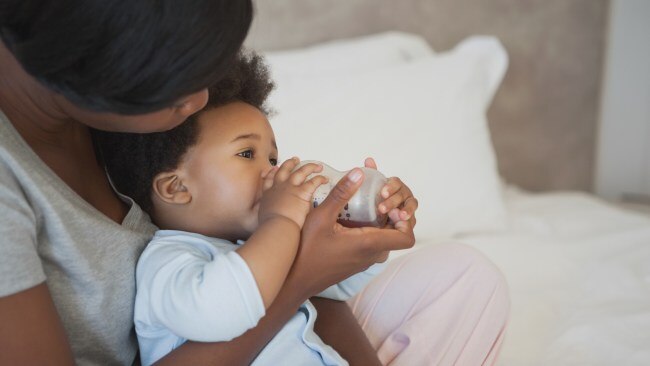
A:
x,y
230,221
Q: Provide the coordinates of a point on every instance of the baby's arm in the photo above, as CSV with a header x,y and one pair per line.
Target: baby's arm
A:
x,y
195,289
286,201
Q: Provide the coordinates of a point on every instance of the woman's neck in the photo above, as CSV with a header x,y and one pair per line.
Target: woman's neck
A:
x,y
31,107
62,143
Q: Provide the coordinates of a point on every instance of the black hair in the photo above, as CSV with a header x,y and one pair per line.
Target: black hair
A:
x,y
125,56
133,160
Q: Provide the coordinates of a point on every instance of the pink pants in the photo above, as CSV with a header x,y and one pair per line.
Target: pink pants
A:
x,y
439,305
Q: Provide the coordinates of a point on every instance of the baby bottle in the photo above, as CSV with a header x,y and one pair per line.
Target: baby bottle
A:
x,y
361,210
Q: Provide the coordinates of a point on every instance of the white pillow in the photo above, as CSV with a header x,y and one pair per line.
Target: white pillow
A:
x,y
422,121
354,54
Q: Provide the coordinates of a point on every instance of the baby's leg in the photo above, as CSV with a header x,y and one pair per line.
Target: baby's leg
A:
x,y
440,305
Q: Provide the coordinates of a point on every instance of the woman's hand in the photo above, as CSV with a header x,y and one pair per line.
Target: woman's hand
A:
x,y
399,203
330,252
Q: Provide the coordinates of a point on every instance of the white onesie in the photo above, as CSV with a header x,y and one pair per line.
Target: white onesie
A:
x,y
193,287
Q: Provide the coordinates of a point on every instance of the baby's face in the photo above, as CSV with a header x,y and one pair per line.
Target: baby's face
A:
x,y
236,146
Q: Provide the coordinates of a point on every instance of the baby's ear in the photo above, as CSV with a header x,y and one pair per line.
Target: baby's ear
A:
x,y
169,188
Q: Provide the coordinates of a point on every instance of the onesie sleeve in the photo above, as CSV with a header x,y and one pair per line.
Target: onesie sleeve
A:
x,y
20,264
353,284
195,291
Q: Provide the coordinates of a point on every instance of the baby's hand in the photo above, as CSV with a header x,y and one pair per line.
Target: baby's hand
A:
x,y
398,203
289,194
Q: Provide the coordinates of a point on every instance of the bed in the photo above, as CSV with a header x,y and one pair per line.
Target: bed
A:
x,y
579,275
468,126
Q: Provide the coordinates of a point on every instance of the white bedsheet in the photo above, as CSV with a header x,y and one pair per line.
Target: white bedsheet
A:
x,y
579,276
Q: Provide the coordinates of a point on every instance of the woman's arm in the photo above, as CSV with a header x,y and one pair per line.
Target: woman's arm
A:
x,y
31,332
337,327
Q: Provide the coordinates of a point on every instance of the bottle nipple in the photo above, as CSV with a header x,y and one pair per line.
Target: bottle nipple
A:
x,y
361,210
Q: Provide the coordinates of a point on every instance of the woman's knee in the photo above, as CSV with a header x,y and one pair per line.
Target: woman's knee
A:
x,y
469,266
483,274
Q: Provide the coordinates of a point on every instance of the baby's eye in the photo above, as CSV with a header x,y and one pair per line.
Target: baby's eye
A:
x,y
273,161
248,154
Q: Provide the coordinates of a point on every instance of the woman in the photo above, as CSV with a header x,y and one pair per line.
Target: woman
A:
x,y
68,242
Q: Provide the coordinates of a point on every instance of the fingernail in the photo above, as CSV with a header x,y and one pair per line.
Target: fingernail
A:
x,y
382,208
384,193
355,175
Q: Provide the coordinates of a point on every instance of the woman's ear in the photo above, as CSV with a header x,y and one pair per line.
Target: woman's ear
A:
x,y
169,188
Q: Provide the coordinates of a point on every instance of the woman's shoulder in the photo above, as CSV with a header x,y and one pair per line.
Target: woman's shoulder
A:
x,y
19,259
10,140
19,167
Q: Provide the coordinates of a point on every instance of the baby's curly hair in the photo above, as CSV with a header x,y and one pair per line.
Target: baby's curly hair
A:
x,y
133,160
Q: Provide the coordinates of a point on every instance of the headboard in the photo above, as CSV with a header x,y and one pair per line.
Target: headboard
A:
x,y
543,120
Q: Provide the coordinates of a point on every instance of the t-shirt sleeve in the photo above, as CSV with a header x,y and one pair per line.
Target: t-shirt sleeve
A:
x,y
20,264
353,284
196,294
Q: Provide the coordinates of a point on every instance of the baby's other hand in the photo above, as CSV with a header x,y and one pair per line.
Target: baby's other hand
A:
x,y
289,194
399,202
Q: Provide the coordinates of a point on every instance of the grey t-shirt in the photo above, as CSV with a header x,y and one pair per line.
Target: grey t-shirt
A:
x,y
49,233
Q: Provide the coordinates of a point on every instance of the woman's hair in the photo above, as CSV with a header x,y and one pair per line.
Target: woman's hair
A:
x,y
133,160
125,56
